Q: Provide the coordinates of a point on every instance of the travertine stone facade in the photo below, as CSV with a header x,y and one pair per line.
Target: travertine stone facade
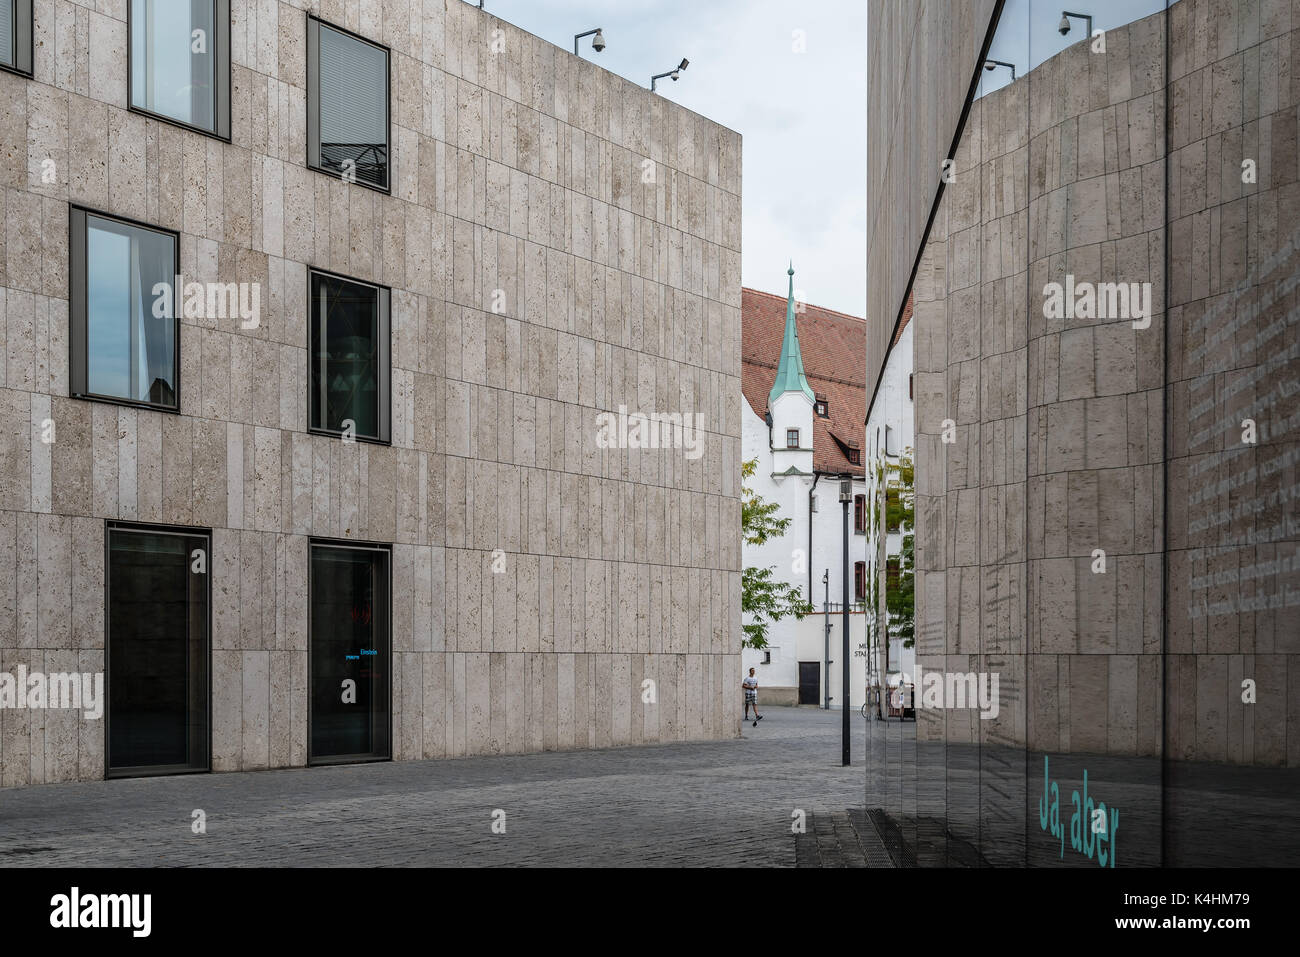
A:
x,y
1116,166
519,170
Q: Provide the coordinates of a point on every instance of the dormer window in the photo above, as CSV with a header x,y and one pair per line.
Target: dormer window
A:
x,y
791,438
855,456
821,407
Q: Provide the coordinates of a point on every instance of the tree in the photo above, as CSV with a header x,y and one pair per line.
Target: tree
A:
x,y
900,595
762,598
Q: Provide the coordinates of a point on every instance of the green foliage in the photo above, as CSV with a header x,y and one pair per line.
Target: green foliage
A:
x,y
900,598
763,600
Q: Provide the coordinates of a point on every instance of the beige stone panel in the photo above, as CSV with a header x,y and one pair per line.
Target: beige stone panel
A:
x,y
227,710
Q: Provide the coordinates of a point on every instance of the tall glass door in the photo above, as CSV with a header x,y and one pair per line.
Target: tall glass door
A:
x,y
157,651
350,654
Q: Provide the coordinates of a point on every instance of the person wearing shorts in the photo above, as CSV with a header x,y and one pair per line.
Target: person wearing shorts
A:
x,y
750,685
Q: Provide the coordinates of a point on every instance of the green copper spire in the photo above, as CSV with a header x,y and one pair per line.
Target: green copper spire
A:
x,y
789,374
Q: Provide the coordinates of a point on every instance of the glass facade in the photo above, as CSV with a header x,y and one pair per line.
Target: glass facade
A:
x,y
349,379
350,654
1106,536
123,316
347,111
157,651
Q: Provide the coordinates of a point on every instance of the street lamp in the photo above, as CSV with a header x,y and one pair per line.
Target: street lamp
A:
x,y
675,74
597,44
846,496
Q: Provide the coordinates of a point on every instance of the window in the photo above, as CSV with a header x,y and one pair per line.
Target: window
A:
x,y
349,378
889,442
767,657
180,62
910,377
125,342
350,715
854,455
860,580
893,510
16,35
892,566
347,105
821,406
158,650
791,438
860,514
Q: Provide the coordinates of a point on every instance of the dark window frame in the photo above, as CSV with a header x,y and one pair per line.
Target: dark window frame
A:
x,y
183,531
24,34
314,542
223,82
385,347
314,23
860,514
860,580
795,433
78,348
822,408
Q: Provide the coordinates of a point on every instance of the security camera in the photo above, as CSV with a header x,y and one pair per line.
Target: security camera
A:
x,y
598,42
1064,26
676,75
988,65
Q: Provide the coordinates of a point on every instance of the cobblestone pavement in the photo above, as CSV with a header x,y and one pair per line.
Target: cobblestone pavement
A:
x,y
721,803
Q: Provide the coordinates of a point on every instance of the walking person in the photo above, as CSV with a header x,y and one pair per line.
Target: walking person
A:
x,y
750,685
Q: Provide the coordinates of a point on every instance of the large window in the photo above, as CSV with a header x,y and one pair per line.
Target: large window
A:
x,y
157,650
350,655
180,62
125,342
349,357
16,35
347,105
860,514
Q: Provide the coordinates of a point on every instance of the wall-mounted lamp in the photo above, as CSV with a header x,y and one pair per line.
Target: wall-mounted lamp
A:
x,y
675,74
597,44
1064,25
990,64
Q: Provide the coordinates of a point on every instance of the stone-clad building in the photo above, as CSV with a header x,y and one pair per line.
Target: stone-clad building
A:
x,y
1106,485
337,494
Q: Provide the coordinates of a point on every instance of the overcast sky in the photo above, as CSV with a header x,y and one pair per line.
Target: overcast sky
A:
x,y
802,115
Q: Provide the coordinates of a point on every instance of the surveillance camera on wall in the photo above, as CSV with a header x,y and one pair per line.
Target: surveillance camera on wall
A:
x,y
1064,26
598,42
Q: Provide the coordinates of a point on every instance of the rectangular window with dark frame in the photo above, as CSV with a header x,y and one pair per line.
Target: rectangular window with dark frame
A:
x,y
349,357
791,438
860,514
125,340
860,580
158,650
347,105
180,62
350,653
16,36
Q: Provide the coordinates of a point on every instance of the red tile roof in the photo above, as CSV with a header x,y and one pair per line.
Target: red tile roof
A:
x,y
834,349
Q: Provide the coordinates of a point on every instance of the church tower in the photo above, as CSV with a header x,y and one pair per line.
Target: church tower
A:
x,y
790,403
